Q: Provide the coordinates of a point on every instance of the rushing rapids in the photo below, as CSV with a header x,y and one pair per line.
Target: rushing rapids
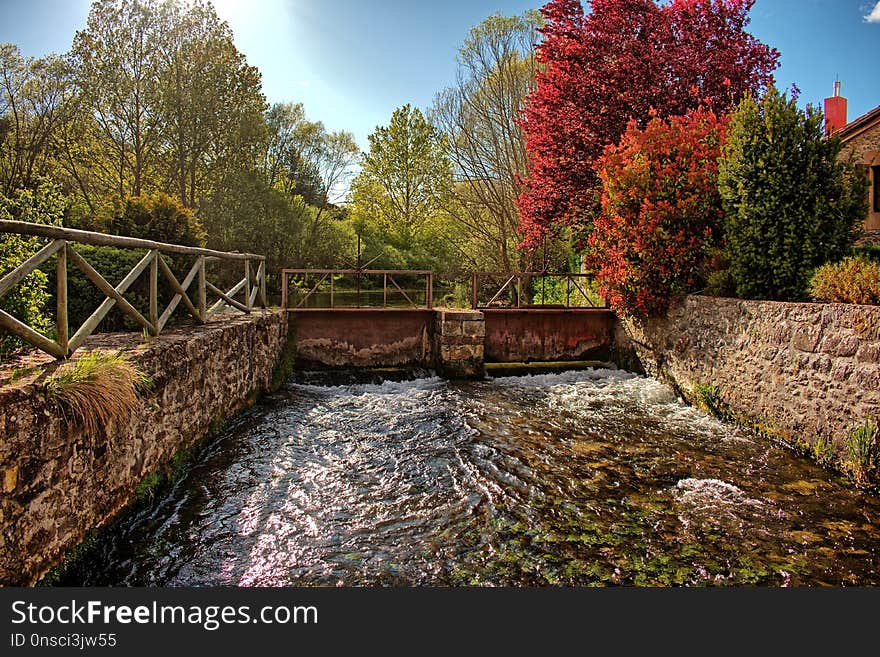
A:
x,y
579,478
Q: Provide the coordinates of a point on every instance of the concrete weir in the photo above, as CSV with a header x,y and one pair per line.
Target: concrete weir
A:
x,y
57,482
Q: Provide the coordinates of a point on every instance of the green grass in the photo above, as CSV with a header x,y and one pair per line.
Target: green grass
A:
x,y
861,447
823,451
708,397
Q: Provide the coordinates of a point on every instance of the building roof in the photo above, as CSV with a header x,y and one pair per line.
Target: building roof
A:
x,y
857,126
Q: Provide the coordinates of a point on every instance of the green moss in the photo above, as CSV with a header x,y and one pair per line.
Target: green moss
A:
x,y
823,451
708,397
217,425
72,559
147,487
285,363
863,451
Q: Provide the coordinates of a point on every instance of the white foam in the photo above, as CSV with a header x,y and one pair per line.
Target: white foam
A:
x,y
384,388
709,494
563,378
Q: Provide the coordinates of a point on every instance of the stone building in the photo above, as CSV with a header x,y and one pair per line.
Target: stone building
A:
x,y
862,138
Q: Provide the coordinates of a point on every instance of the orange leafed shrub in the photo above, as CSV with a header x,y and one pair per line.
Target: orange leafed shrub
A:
x,y
855,280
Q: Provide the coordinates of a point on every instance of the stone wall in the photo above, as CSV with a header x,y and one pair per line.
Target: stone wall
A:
x,y
458,343
800,370
57,483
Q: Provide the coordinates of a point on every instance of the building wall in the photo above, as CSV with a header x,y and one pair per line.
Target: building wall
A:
x,y
866,147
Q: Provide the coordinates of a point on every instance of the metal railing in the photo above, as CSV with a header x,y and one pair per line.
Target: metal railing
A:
x,y
515,284
308,291
252,285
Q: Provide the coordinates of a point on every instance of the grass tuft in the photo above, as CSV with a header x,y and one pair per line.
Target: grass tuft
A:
x,y
97,389
862,450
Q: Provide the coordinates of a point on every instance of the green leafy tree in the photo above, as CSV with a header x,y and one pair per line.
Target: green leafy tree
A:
x,y
27,300
309,164
35,100
247,214
211,101
397,198
478,115
156,217
791,205
118,63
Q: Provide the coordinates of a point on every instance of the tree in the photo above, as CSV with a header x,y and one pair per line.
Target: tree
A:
x,y
168,102
211,100
310,165
790,204
626,60
661,211
118,63
28,299
401,184
246,214
154,217
303,159
35,98
496,70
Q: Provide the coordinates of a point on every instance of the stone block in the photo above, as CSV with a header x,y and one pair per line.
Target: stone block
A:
x,y
461,339
10,479
869,353
476,327
806,338
451,328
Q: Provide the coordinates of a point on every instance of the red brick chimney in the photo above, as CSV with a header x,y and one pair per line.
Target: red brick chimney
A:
x,y
835,111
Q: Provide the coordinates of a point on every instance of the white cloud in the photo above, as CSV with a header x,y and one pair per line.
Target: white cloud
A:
x,y
305,84
874,16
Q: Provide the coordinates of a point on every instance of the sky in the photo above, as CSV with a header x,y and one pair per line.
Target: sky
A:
x,y
352,62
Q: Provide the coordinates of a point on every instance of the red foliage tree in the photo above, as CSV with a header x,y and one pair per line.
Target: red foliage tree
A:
x,y
626,60
661,211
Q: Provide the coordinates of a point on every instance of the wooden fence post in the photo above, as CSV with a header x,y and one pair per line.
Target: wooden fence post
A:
x,y
61,323
247,285
262,273
154,292
202,291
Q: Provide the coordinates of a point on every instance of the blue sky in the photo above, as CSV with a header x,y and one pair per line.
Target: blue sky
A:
x,y
352,62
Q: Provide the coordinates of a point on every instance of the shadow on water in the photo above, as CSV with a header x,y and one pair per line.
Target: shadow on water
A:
x,y
578,478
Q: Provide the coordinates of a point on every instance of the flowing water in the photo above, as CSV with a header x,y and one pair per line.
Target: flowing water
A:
x,y
579,478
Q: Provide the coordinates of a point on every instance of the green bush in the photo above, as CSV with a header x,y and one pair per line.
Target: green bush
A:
x,y
870,252
855,280
83,297
28,300
790,205
862,452
157,217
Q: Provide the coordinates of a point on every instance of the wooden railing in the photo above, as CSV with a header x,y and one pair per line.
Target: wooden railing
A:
x,y
324,275
576,294
252,285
